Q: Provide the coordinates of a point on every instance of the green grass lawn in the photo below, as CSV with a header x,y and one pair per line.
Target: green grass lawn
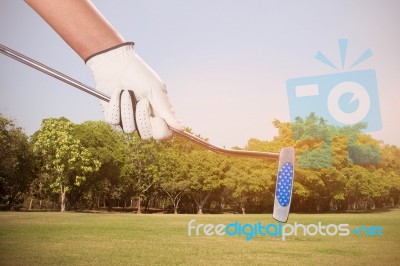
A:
x,y
49,238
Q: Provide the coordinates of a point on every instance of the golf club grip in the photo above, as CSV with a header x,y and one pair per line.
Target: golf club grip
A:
x,y
64,78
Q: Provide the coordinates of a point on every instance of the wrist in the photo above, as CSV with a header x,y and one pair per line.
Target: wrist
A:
x,y
107,66
116,50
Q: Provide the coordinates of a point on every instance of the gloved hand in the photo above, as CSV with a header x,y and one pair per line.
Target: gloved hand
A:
x,y
138,96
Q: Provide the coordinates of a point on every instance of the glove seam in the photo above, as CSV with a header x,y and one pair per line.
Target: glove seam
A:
x,y
108,49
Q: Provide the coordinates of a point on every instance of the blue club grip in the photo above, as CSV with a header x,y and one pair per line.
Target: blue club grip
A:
x,y
284,184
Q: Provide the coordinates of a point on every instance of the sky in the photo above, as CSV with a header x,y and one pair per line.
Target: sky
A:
x,y
225,62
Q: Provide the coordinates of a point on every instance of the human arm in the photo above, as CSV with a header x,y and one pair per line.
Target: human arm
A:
x,y
116,68
79,23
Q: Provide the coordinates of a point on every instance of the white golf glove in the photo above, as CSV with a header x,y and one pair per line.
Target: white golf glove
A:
x,y
138,96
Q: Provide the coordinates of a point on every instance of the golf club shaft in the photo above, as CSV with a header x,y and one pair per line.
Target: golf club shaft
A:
x,y
60,76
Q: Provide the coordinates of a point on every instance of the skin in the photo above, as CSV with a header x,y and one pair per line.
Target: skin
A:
x,y
79,23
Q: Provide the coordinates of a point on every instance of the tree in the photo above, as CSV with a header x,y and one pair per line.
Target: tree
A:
x,y
40,189
391,164
246,179
108,147
92,164
173,178
141,169
206,172
63,156
17,163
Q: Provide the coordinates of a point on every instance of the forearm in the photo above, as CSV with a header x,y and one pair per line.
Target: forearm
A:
x,y
79,23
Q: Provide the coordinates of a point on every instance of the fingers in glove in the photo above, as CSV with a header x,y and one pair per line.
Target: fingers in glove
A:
x,y
149,126
128,105
162,108
112,113
160,128
143,113
148,85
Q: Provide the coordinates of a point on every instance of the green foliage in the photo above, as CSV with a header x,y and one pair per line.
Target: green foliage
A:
x,y
63,157
327,175
174,172
95,166
142,167
108,147
247,180
17,163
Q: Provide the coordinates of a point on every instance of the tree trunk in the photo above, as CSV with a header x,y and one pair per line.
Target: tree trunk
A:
x,y
63,202
200,210
62,198
176,202
200,201
243,205
222,205
30,204
138,210
146,205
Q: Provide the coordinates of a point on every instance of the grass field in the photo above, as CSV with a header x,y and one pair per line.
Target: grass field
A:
x,y
49,238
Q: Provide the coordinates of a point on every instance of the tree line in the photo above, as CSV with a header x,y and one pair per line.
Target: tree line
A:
x,y
91,166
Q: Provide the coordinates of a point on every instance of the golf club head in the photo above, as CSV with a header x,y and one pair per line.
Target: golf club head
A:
x,y
284,185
